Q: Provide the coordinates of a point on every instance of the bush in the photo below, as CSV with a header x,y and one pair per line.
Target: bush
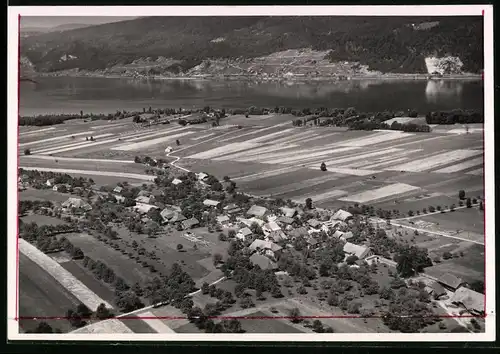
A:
x,y
179,247
27,151
461,194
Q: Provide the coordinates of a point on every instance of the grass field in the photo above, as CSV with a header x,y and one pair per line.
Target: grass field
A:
x,y
42,220
43,194
40,295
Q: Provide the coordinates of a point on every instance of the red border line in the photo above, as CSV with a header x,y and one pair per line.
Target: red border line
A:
x,y
17,167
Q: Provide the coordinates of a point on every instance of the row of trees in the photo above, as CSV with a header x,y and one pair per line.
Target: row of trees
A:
x,y
78,318
455,116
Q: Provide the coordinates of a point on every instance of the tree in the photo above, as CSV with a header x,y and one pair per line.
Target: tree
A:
x,y
309,203
318,326
231,233
205,288
468,203
404,265
102,312
177,142
27,151
83,311
42,327
246,303
461,194
232,326
323,166
481,206
447,255
179,247
217,258
294,315
351,259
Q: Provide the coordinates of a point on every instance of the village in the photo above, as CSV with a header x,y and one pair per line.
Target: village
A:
x,y
297,243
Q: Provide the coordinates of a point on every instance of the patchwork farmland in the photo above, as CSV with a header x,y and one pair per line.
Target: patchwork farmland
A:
x,y
265,157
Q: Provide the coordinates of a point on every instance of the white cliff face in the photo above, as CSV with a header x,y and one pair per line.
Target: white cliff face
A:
x,y
444,65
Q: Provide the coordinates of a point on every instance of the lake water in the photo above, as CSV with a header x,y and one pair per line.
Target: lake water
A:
x,y
96,95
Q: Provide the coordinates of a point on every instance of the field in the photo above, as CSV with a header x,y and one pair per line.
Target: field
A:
x,y
41,295
268,156
42,219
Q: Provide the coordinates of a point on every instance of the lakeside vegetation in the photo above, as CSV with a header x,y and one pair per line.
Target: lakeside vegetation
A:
x,y
323,116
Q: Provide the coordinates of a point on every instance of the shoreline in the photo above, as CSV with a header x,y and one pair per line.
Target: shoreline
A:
x,y
298,79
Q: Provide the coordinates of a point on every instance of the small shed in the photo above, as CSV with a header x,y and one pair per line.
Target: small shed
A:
x,y
244,233
118,190
189,223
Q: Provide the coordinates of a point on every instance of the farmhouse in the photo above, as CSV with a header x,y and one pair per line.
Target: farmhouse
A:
x,y
176,181
256,210
288,212
263,262
50,182
264,245
119,198
342,215
76,204
450,282
144,208
312,242
201,176
361,252
314,223
167,214
299,232
189,223
437,290
243,233
144,193
143,200
60,188
372,259
249,222
177,218
277,236
223,219
210,202
270,227
232,209
330,224
471,300
285,220
118,189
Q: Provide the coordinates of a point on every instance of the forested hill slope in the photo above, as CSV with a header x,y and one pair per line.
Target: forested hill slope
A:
x,y
386,44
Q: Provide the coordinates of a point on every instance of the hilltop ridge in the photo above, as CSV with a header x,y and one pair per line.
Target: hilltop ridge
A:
x,y
170,46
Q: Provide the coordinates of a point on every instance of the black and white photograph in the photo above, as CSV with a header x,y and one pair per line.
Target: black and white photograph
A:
x,y
214,173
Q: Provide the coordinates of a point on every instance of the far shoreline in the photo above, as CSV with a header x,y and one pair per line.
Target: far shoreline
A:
x,y
294,79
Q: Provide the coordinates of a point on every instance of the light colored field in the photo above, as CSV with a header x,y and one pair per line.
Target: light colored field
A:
x,y
54,138
462,166
36,131
386,159
110,126
428,163
149,143
202,137
104,327
376,138
77,146
249,155
158,325
296,136
223,149
154,133
322,196
379,193
298,158
355,157
67,280
255,131
268,137
92,173
386,163
74,159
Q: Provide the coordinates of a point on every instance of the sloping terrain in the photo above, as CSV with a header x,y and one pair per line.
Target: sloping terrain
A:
x,y
386,44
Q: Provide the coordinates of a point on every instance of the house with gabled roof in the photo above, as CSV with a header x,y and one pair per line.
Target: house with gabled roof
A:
x,y
176,181
286,220
314,223
342,215
76,204
288,212
350,249
223,219
257,211
264,245
244,233
50,182
143,199
437,290
450,281
276,236
189,223
210,202
471,300
270,227
299,232
263,262
118,190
